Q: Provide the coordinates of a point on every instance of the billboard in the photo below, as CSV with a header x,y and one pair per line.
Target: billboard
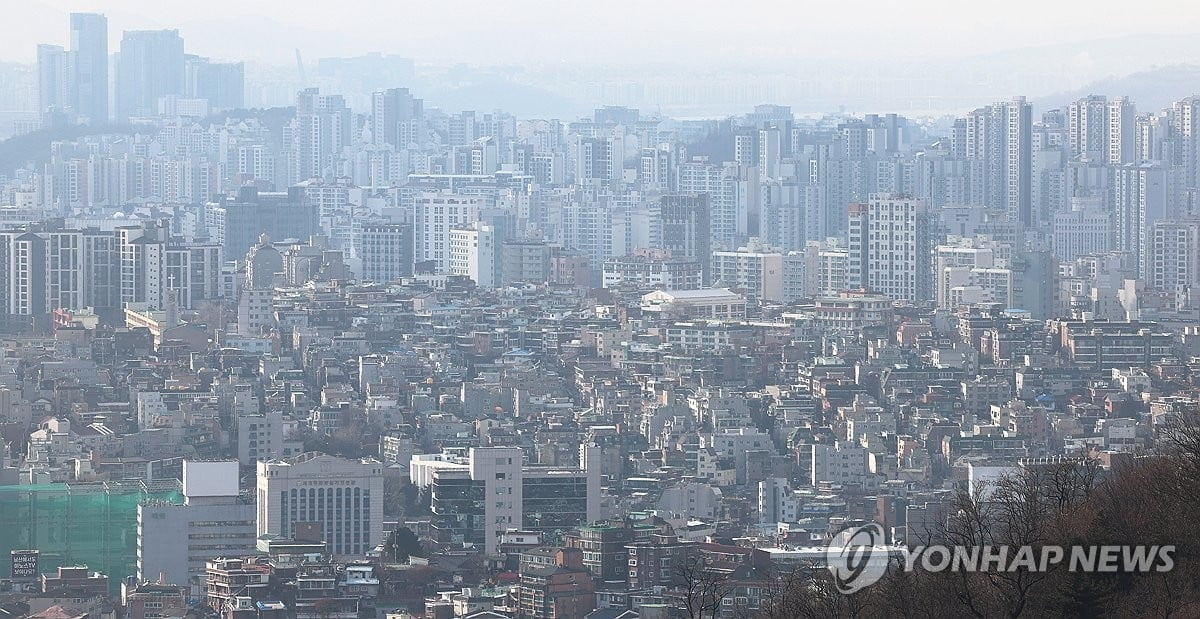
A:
x,y
207,479
24,564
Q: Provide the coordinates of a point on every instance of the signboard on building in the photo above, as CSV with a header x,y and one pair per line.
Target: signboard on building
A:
x,y
24,564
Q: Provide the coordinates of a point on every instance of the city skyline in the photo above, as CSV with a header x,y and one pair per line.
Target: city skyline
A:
x,y
885,65
583,24
760,334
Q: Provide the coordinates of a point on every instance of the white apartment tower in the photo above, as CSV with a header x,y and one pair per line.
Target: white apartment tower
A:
x,y
1087,127
1185,124
891,239
320,131
436,215
998,142
1140,196
473,253
1122,132
1175,257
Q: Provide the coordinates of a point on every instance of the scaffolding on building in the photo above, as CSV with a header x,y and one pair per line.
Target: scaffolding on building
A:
x,y
92,524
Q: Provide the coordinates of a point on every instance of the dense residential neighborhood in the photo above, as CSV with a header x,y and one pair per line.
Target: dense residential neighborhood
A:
x,y
400,361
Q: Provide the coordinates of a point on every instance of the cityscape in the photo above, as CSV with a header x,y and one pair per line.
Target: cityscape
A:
x,y
304,344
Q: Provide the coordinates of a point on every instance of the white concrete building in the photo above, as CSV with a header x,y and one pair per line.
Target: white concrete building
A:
x,y
1141,196
952,268
714,303
850,312
473,253
215,520
1175,258
254,311
890,245
1084,230
649,269
776,501
262,437
344,498
767,274
827,269
435,217
842,463
691,500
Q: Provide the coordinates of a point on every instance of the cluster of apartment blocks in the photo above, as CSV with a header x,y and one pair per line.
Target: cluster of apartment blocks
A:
x,y
1017,289
754,224
667,363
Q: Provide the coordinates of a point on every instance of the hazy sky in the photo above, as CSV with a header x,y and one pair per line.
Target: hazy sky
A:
x,y
615,31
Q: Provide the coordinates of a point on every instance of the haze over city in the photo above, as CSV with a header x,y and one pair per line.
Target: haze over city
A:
x,y
583,53
578,310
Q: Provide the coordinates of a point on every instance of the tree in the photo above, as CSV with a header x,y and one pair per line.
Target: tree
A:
x,y
1067,503
809,591
703,589
402,499
403,543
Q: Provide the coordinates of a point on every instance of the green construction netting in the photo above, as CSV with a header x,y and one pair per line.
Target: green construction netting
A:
x,y
78,524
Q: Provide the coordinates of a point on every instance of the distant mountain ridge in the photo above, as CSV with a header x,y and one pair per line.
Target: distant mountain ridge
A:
x,y
1150,90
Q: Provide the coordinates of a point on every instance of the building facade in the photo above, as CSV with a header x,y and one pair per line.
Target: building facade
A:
x,y
344,498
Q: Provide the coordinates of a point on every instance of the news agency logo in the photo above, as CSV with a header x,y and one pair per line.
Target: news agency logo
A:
x,y
859,557
861,561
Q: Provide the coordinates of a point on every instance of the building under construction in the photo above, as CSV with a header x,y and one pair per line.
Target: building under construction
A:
x,y
93,524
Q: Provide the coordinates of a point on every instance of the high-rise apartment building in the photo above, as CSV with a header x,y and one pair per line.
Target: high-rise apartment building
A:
x,y
1087,127
890,241
395,116
320,130
1017,160
436,215
222,84
41,269
1102,131
1140,196
723,191
1184,149
1175,257
998,138
686,231
142,251
1121,146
